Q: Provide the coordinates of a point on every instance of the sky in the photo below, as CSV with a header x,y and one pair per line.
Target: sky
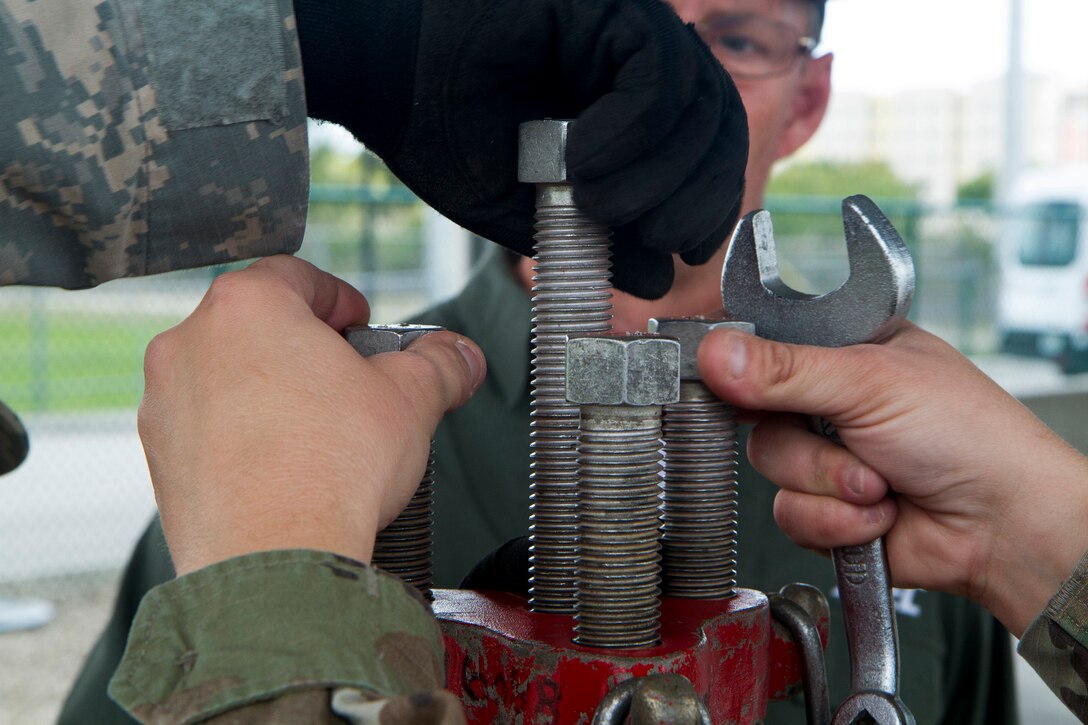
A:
x,y
893,45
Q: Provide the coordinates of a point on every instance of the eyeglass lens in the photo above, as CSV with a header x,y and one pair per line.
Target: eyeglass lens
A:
x,y
750,46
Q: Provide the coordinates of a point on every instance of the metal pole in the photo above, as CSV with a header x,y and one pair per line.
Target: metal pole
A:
x,y
1014,103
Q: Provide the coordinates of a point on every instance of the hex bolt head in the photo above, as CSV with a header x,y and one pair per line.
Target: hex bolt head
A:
x,y
375,339
690,331
542,152
623,370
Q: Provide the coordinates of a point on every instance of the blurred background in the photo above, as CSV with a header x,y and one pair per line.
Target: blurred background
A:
x,y
966,121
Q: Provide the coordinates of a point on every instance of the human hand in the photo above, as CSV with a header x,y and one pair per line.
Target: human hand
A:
x,y
437,88
264,429
14,442
986,501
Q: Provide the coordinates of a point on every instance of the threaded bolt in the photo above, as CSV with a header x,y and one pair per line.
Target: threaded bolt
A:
x,y
403,548
571,295
699,543
700,529
622,383
619,570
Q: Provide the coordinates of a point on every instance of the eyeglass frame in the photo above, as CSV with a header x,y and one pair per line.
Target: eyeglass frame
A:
x,y
805,45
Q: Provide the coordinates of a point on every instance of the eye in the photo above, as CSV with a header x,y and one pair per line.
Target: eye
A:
x,y
737,44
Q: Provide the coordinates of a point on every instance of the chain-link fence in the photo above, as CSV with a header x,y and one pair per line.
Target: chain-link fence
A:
x,y
954,250
71,362
71,365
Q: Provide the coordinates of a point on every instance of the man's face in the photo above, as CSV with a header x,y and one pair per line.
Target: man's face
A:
x,y
784,111
783,108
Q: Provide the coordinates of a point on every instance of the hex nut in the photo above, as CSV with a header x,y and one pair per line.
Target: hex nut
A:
x,y
375,339
623,370
542,152
690,331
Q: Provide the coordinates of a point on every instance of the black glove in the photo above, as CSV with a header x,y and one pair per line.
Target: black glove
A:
x,y
506,569
14,443
437,88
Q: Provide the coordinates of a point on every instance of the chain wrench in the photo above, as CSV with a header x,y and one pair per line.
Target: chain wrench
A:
x,y
868,307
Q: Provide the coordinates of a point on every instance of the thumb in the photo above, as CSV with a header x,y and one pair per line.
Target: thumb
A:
x,y
760,374
439,371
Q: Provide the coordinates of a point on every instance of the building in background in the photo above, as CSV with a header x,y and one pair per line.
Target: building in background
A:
x,y
940,139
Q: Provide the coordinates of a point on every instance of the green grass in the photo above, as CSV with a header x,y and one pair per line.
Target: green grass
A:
x,y
68,362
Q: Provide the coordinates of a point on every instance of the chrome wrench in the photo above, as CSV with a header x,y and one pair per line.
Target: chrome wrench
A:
x,y
868,307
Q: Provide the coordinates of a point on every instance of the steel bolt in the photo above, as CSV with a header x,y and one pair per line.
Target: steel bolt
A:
x,y
571,296
622,384
404,547
699,544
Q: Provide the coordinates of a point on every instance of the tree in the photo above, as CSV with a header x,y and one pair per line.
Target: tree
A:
x,y
875,179
980,188
346,233
804,200
330,166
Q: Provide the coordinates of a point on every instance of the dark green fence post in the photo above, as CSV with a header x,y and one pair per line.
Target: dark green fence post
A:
x,y
39,352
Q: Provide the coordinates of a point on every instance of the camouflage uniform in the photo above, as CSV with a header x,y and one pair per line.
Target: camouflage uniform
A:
x,y
282,637
142,136
1056,643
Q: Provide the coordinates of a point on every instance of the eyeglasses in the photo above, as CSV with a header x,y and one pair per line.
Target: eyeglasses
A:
x,y
752,47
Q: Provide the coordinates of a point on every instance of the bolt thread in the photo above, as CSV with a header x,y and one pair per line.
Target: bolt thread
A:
x,y
570,296
619,594
404,547
699,545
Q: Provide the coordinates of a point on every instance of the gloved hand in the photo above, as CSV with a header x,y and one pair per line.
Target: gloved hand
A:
x,y
14,443
437,88
506,569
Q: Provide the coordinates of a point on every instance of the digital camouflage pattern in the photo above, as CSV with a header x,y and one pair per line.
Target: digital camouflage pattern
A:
x,y
285,636
1056,643
110,164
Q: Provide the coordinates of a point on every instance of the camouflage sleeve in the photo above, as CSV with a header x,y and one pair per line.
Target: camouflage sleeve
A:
x,y
1056,643
142,136
285,636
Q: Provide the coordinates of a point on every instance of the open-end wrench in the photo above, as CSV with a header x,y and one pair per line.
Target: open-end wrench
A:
x,y
868,307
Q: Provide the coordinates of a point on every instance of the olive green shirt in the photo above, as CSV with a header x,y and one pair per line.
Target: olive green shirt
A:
x,y
956,660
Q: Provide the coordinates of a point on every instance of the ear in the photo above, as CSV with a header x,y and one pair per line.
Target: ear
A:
x,y
809,105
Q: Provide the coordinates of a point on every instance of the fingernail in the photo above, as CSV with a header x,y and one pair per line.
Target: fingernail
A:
x,y
855,478
736,356
475,361
874,514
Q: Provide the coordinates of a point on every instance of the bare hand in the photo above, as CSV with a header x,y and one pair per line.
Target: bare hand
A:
x,y
986,501
265,430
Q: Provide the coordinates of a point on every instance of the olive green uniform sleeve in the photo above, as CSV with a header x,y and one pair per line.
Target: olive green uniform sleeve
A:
x,y
87,702
1056,643
285,636
143,136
